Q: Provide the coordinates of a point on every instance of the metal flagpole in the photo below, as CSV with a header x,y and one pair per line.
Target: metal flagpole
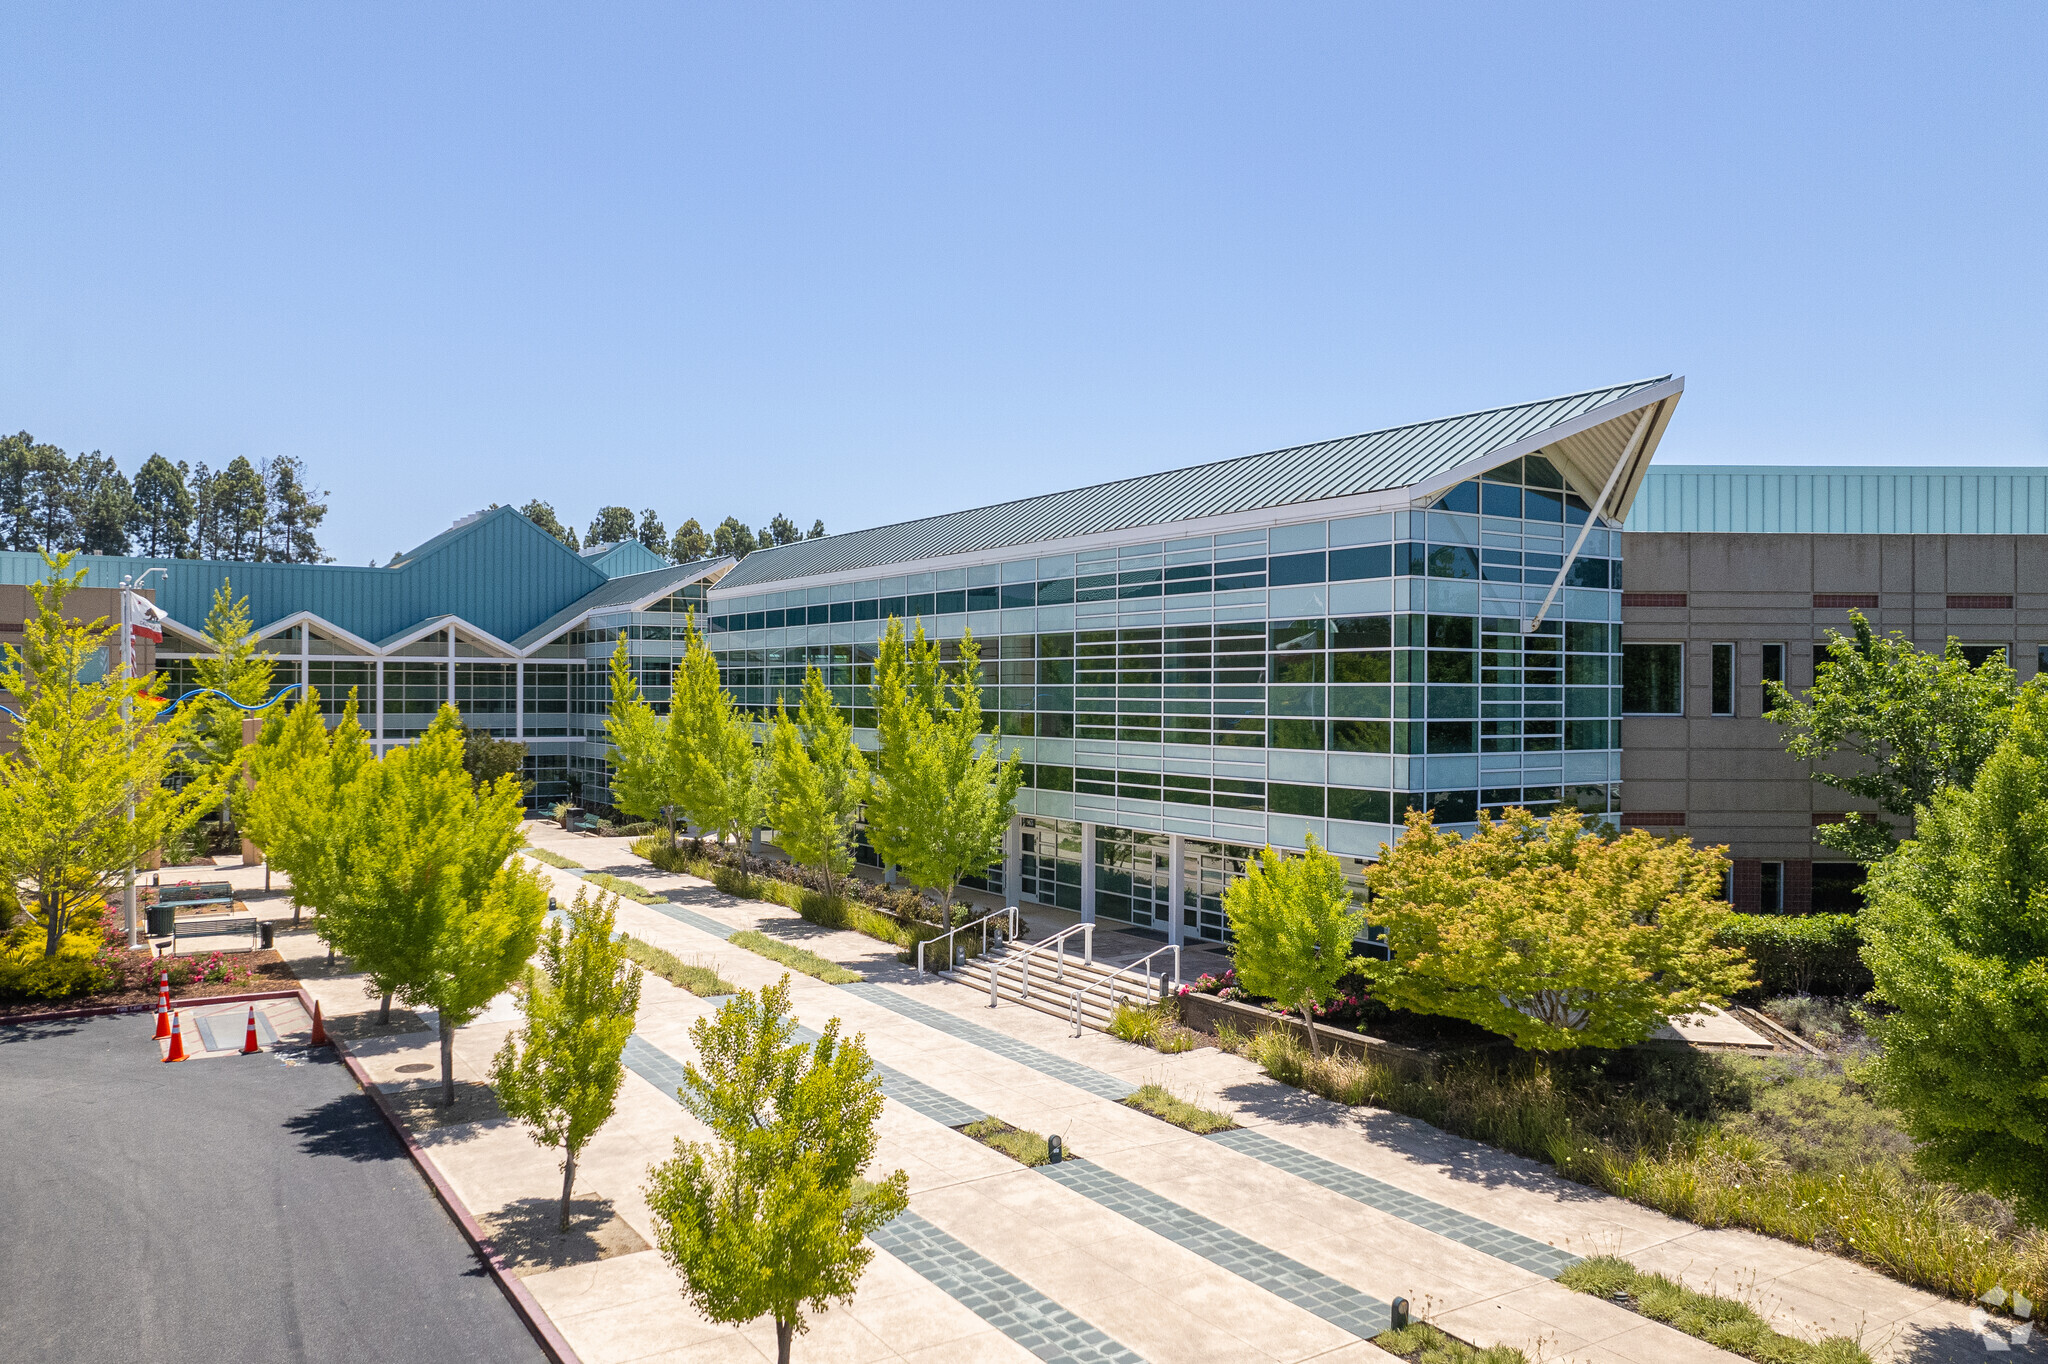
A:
x,y
128,676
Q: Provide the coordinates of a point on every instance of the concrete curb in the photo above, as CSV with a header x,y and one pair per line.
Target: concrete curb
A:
x,y
544,1331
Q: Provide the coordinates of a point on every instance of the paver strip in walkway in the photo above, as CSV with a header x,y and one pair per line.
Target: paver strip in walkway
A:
x,y
1476,1233
1081,1077
997,1296
1309,1289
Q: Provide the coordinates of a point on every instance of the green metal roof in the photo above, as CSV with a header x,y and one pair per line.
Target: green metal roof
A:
x,y
1841,500
1399,457
498,574
627,556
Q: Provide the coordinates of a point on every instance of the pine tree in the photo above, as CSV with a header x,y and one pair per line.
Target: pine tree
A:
x,y
162,525
102,506
819,780
781,531
817,531
291,515
613,525
543,515
652,534
82,788
771,1217
733,538
241,510
691,543
560,1074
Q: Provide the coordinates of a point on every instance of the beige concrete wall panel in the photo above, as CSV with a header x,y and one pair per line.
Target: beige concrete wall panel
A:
x,y
1930,564
1751,797
2030,566
1752,563
1653,622
1895,555
1650,795
1847,563
1980,563
1655,563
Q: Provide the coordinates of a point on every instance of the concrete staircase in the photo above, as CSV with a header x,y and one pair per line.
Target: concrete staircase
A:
x,y
1035,980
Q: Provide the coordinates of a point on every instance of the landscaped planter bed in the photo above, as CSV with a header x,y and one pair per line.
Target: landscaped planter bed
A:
x,y
1205,1012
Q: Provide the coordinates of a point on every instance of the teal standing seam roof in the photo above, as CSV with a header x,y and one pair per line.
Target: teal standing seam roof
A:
x,y
627,556
1841,500
1397,457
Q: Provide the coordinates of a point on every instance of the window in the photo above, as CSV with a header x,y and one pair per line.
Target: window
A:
x,y
1979,654
1652,679
1724,679
1774,671
1838,887
1771,887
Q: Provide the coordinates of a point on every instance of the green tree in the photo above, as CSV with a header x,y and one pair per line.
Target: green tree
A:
x,y
643,778
560,1074
240,670
818,780
716,770
486,757
1293,920
437,912
102,506
296,810
780,531
36,494
652,534
817,531
733,537
612,526
291,513
162,527
943,795
691,543
1907,722
82,793
1548,933
543,515
769,1219
1955,930
231,506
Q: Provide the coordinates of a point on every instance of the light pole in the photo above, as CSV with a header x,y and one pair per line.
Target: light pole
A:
x,y
128,586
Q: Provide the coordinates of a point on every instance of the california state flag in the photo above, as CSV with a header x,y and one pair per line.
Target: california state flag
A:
x,y
146,619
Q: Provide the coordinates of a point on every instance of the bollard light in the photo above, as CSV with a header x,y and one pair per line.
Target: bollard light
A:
x,y
1400,1311
1055,1150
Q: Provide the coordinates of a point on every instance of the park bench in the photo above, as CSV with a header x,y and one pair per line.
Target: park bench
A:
x,y
194,895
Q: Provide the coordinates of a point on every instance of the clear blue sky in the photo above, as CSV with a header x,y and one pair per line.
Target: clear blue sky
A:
x,y
865,262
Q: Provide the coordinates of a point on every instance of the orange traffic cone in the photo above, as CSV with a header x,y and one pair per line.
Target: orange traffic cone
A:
x,y
250,1046
177,1051
163,1009
319,1038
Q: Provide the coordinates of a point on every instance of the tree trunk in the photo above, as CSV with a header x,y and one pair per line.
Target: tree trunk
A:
x,y
53,929
568,1184
447,1062
1308,1016
784,1331
384,1009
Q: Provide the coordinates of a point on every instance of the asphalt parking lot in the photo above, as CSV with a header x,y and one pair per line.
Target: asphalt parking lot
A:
x,y
239,1208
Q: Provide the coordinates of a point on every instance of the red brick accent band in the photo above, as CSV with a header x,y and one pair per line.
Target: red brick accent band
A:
x,y
1653,599
1961,601
1823,601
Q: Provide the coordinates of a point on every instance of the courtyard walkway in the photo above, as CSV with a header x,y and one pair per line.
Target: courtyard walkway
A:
x,y
1284,1240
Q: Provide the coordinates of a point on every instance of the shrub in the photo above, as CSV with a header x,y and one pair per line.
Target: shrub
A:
x,y
1427,1345
697,977
1799,954
794,957
80,966
553,859
1026,1148
1156,1027
622,888
1721,1322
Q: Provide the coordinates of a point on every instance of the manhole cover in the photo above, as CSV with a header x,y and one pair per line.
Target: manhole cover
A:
x,y
414,1069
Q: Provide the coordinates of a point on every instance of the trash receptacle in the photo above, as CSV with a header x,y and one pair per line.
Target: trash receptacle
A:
x,y
268,928
161,919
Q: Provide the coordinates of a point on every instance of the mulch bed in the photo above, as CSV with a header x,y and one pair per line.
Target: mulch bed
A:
x,y
271,973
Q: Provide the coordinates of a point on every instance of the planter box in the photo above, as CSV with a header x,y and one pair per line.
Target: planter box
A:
x,y
1204,1012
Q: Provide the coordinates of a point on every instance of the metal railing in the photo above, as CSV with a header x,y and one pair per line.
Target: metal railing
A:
x,y
1057,944
1108,981
981,923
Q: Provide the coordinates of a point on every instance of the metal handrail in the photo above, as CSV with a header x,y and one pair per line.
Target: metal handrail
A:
x,y
1056,941
982,923
1127,970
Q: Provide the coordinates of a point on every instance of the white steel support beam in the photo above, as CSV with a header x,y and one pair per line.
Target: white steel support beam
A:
x,y
1628,453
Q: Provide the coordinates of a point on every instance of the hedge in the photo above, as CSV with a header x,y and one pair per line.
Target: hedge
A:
x,y
1808,954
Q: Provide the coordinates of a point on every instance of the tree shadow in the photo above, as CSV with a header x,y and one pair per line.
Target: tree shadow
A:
x,y
417,1102
36,1032
1957,1344
524,1234
348,1126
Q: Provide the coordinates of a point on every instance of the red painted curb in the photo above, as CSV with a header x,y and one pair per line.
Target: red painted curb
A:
x,y
550,1339
189,1002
